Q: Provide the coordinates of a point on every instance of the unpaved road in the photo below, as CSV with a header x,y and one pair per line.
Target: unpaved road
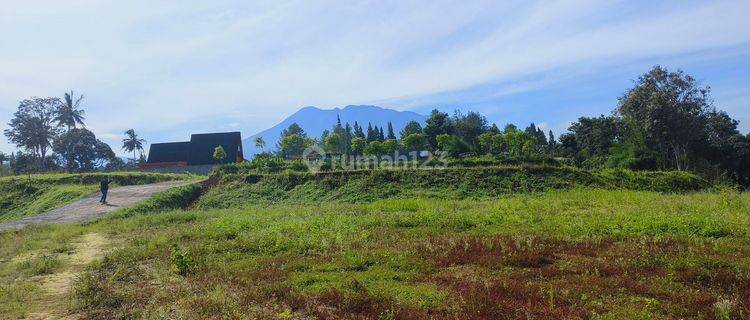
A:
x,y
89,208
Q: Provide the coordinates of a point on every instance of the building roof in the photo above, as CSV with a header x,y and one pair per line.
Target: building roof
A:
x,y
202,147
168,152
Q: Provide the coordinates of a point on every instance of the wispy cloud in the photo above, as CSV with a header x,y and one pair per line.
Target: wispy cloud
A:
x,y
212,65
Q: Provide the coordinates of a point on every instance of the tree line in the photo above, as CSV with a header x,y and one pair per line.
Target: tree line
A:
x,y
51,135
666,121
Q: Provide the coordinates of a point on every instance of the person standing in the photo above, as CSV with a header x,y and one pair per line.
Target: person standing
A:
x,y
104,188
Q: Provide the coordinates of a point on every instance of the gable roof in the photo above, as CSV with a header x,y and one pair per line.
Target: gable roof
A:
x,y
168,152
202,147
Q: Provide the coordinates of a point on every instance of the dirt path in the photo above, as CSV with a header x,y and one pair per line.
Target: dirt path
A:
x,y
89,208
52,302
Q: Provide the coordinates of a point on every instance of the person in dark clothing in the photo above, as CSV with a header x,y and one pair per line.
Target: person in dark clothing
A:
x,y
104,187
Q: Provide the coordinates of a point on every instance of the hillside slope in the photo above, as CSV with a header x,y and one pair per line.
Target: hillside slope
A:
x,y
455,183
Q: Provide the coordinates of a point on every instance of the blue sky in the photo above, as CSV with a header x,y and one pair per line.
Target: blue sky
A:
x,y
168,69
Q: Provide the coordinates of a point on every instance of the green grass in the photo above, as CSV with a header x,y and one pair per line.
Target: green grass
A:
x,y
465,183
22,196
578,253
484,243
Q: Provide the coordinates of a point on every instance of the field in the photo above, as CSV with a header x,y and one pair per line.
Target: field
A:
x,y
619,245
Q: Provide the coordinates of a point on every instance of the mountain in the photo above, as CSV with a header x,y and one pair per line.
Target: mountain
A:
x,y
314,120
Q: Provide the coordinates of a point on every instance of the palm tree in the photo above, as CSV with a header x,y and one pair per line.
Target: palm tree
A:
x,y
132,143
260,143
68,114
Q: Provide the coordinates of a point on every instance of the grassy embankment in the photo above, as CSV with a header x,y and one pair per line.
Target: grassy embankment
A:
x,y
513,244
29,195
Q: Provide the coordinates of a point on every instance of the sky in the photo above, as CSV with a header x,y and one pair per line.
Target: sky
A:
x,y
171,68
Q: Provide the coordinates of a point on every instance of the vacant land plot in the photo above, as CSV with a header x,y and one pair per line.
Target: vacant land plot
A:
x,y
568,254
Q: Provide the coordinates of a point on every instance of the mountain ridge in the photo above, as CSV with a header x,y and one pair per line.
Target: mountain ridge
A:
x,y
314,120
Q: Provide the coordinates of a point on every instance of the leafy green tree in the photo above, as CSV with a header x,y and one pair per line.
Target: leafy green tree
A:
x,y
374,148
518,143
293,142
468,128
69,114
219,154
414,142
294,128
490,142
358,145
334,143
390,146
80,150
260,143
411,127
451,144
669,107
33,126
594,136
436,124
132,143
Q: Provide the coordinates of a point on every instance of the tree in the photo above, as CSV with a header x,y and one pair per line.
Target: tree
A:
x,y
374,148
358,145
68,113
33,127
391,134
132,143
372,133
414,142
293,142
594,136
491,143
468,128
3,158
436,124
333,143
669,107
80,150
358,131
219,154
410,128
451,144
390,146
294,128
260,143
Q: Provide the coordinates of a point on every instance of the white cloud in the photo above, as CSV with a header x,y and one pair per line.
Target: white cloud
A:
x,y
156,66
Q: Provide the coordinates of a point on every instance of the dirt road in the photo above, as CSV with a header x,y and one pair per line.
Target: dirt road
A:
x,y
89,208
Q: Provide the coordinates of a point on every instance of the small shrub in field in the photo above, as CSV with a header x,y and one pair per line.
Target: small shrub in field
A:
x,y
182,260
45,264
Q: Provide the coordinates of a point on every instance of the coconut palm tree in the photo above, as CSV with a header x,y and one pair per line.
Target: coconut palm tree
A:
x,y
68,114
260,143
132,143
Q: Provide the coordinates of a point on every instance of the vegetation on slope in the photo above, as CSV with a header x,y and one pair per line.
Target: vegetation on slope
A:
x,y
33,194
454,183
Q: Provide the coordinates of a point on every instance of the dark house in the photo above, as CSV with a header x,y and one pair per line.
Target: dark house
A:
x,y
198,151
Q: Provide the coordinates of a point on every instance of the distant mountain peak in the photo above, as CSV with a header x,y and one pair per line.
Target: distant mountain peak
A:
x,y
314,120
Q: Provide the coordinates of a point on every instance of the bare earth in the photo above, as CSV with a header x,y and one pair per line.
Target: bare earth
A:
x,y
89,208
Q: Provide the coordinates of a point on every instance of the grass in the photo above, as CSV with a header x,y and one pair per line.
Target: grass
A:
x,y
22,196
569,254
518,242
465,183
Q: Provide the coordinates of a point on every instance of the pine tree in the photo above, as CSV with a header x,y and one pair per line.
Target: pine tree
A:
x,y
391,134
381,135
358,131
371,133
